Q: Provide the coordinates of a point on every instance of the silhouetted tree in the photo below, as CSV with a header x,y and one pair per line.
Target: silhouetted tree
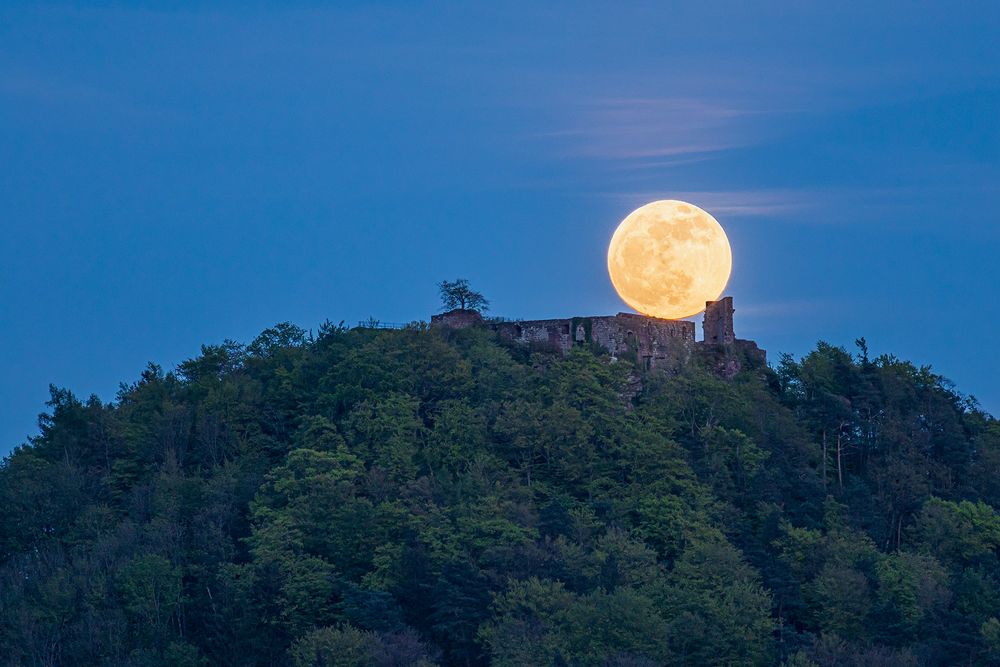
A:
x,y
458,294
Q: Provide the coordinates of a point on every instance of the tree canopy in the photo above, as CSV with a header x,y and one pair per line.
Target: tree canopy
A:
x,y
443,497
458,294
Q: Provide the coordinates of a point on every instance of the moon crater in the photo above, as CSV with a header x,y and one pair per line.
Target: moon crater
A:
x,y
667,258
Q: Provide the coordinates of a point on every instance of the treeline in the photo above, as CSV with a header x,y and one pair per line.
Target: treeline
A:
x,y
425,497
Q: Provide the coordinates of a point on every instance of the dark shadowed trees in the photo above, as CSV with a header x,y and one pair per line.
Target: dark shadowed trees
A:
x,y
420,497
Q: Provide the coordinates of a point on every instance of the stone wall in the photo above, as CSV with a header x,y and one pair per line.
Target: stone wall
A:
x,y
551,332
457,319
721,350
648,341
718,322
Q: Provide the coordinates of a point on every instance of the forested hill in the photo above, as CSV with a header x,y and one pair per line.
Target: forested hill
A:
x,y
419,497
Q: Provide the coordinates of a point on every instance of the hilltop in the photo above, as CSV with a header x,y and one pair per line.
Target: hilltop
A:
x,y
451,496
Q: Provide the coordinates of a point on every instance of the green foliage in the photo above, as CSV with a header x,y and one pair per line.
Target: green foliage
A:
x,y
842,600
419,497
990,632
959,532
343,646
717,608
911,588
540,623
150,588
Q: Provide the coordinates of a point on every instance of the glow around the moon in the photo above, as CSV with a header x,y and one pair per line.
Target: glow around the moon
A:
x,y
667,258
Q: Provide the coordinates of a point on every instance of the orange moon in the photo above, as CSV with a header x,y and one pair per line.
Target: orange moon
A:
x,y
667,258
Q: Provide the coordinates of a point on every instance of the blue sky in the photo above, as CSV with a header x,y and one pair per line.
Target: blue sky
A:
x,y
173,174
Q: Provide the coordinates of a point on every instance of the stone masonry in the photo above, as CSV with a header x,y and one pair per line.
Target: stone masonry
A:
x,y
721,349
649,341
718,322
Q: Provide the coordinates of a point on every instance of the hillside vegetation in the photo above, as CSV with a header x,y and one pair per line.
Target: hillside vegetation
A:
x,y
419,497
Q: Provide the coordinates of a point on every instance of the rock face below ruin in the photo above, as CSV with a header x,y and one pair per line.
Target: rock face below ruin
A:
x,y
648,341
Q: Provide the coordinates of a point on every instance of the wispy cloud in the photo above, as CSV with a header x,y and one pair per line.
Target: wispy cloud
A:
x,y
814,206
749,203
39,91
763,310
764,319
732,203
643,131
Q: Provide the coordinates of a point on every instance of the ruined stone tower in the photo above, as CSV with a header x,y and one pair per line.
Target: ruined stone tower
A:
x,y
718,322
649,342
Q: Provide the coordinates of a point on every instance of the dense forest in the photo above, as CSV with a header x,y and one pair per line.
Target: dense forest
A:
x,y
443,497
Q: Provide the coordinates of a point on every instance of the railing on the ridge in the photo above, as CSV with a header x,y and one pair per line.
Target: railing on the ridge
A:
x,y
376,324
372,323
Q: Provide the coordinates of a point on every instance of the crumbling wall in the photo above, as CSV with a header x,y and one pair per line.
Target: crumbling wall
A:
x,y
649,342
721,350
457,319
718,322
552,332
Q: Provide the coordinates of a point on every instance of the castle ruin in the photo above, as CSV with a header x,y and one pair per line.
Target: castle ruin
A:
x,y
648,341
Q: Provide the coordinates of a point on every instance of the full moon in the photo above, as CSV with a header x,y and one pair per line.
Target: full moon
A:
x,y
667,258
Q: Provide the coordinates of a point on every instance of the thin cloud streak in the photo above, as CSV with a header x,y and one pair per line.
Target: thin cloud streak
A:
x,y
629,129
44,92
766,319
767,309
734,203
813,206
